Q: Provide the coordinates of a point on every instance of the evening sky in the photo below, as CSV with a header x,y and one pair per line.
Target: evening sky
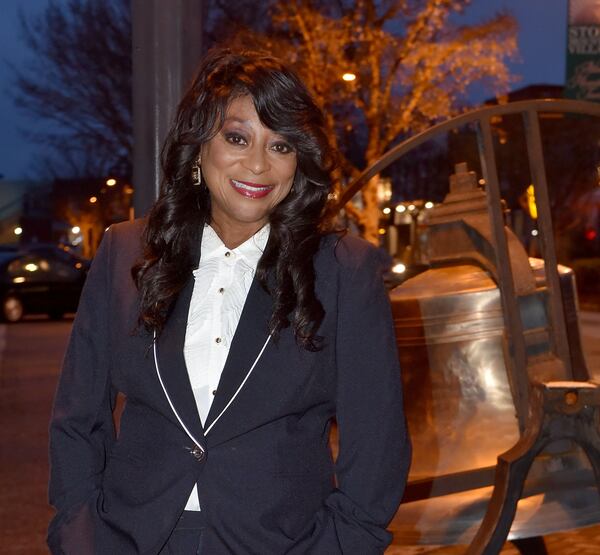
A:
x,y
542,45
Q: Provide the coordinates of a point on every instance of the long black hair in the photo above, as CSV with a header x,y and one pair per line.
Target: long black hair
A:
x,y
172,232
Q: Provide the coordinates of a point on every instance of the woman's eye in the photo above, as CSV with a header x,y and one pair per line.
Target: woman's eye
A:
x,y
235,139
282,148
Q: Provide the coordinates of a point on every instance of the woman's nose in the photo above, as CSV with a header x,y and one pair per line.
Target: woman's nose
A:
x,y
257,160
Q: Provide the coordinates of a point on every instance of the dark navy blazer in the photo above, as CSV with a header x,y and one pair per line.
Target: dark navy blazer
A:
x,y
267,483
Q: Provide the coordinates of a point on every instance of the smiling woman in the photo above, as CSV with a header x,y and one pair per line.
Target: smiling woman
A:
x,y
254,326
246,118
248,170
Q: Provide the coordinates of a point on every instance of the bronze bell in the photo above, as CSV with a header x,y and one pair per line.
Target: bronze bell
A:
x,y
460,395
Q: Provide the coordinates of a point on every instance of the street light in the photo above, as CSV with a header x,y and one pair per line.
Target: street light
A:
x,y
18,230
111,182
349,76
75,229
93,200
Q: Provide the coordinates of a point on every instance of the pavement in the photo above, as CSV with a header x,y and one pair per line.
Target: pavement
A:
x,y
30,356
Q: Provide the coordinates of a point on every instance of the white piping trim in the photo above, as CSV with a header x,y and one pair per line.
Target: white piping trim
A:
x,y
226,406
169,398
240,387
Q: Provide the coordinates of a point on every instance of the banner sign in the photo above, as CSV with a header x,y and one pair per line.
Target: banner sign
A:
x,y
583,50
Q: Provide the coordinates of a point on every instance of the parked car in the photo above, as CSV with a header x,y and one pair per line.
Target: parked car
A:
x,y
40,279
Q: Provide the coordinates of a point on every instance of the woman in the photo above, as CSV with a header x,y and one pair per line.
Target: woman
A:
x,y
252,329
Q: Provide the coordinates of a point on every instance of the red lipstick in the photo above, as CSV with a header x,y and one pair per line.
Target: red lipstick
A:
x,y
251,190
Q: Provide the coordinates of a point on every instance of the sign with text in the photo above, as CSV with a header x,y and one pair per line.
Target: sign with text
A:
x,y
583,50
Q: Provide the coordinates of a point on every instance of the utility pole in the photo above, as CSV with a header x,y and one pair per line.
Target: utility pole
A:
x,y
166,49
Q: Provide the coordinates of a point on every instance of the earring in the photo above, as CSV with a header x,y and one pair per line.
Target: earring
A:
x,y
197,174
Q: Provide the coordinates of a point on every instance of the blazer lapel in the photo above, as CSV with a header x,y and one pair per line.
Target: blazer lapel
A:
x,y
171,361
248,340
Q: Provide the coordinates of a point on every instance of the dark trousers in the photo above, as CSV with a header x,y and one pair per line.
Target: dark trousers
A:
x,y
186,538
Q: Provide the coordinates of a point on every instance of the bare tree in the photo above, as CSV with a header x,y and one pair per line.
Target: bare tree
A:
x,y
78,85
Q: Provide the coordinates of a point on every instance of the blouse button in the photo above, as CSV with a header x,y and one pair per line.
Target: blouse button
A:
x,y
218,340
227,254
221,290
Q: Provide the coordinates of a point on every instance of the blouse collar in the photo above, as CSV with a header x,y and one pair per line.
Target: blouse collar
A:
x,y
250,250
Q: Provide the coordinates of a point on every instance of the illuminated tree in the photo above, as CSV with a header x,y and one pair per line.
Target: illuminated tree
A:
x,y
413,66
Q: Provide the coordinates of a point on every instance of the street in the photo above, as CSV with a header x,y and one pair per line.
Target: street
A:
x,y
30,356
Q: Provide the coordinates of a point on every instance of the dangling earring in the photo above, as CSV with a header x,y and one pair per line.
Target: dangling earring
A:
x,y
197,174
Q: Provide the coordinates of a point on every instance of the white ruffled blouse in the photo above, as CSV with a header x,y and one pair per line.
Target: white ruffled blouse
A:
x,y
221,285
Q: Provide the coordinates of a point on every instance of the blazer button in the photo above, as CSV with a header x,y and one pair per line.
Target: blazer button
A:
x,y
198,454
